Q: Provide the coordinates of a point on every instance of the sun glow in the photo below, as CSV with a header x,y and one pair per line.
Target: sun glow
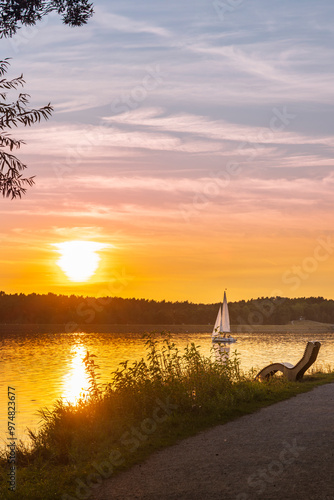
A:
x,y
79,259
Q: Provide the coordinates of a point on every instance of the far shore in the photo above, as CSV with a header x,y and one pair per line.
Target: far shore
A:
x,y
304,326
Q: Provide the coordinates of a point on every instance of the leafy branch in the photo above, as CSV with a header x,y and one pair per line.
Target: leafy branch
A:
x,y
28,12
12,184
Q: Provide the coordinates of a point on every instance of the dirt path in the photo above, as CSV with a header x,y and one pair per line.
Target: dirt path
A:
x,y
285,451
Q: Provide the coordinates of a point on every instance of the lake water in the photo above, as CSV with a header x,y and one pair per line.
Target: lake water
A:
x,y
43,367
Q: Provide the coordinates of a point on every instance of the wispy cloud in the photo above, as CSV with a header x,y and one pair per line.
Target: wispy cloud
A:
x,y
187,123
116,22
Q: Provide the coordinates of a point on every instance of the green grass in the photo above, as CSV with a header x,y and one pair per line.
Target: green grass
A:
x,y
147,406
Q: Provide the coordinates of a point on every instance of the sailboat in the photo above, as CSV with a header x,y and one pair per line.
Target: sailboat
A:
x,y
221,330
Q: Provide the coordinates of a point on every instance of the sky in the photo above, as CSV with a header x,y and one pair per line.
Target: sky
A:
x,y
191,141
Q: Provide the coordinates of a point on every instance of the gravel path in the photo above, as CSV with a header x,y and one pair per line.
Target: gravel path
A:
x,y
285,451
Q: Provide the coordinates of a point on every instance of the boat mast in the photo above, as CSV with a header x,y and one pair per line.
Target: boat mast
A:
x,y
221,318
225,317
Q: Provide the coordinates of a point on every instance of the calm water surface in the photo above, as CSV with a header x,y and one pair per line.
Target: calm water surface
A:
x,y
44,367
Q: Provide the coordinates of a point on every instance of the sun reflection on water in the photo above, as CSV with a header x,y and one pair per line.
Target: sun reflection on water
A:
x,y
76,381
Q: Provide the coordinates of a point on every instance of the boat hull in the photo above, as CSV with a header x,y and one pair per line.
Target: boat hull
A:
x,y
226,340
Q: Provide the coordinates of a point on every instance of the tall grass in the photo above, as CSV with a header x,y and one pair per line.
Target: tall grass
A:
x,y
190,380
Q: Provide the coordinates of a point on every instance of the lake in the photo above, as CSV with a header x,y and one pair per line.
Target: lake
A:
x,y
43,367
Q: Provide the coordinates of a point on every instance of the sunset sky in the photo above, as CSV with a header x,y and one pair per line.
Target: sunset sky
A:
x,y
192,140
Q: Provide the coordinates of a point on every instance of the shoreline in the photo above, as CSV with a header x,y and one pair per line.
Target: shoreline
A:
x,y
304,326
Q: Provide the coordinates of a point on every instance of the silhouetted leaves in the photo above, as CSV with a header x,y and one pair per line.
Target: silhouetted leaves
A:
x,y
13,113
29,12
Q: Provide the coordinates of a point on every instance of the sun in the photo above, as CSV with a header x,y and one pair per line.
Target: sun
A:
x,y
79,259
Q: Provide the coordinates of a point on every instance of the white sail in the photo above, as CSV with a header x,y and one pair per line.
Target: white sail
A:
x,y
225,318
222,324
216,328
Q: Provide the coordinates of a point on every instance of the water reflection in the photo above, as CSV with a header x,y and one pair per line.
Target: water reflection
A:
x,y
75,382
221,351
44,367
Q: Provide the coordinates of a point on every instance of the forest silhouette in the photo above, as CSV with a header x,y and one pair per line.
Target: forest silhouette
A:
x,y
57,309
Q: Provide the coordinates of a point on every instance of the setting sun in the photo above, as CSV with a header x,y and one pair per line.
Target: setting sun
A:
x,y
79,259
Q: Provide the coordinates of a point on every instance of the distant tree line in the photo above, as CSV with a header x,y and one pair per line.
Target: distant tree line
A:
x,y
58,309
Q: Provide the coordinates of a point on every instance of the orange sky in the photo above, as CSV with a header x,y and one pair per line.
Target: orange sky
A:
x,y
199,148
176,259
